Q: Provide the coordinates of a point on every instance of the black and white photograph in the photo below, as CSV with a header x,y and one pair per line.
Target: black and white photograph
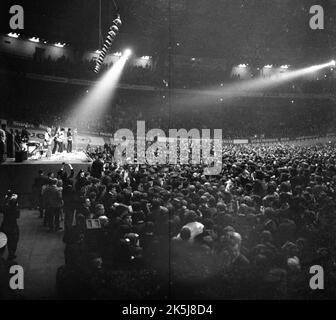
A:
x,y
162,151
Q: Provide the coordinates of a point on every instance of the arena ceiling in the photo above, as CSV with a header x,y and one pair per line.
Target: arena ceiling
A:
x,y
231,29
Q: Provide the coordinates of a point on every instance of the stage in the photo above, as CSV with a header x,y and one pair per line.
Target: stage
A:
x,y
19,176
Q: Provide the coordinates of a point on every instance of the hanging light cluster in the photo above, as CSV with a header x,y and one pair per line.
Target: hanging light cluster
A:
x,y
112,34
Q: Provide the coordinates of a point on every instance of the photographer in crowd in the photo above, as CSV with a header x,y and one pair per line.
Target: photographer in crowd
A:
x,y
11,213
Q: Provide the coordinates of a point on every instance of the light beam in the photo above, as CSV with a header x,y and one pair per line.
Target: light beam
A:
x,y
253,85
97,100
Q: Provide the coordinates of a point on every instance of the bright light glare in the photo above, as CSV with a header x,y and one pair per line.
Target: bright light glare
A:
x,y
13,35
97,99
243,65
59,45
257,84
127,53
284,66
268,66
333,62
34,39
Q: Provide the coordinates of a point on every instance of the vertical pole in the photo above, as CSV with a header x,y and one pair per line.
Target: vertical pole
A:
x,y
100,25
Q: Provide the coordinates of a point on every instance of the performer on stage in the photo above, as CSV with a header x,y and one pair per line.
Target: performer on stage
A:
x,y
2,145
69,138
48,142
9,142
58,141
63,138
25,135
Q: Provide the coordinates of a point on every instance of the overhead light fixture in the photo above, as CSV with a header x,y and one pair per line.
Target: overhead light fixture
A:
x,y
284,66
117,54
13,35
60,45
111,35
242,65
34,39
269,66
146,57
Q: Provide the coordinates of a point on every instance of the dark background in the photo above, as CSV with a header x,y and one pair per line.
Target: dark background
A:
x,y
214,28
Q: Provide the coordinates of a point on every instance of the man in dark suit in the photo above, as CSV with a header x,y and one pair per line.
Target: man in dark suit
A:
x,y
69,139
9,141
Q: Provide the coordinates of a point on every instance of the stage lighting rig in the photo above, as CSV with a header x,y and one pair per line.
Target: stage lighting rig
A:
x,y
112,34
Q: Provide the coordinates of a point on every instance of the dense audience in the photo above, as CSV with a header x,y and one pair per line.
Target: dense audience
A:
x,y
253,231
169,231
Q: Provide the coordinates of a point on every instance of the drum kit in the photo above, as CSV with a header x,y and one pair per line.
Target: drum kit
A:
x,y
35,149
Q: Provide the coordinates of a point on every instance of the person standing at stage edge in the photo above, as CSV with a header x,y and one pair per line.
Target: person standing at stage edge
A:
x,y
48,142
69,138
11,212
2,146
9,141
58,141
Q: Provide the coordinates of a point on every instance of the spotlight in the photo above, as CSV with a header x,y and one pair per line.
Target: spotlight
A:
x,y
34,39
59,45
127,53
333,62
13,35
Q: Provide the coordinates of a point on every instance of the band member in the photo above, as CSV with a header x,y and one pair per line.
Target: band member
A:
x,y
2,145
17,140
58,141
25,135
9,142
69,138
63,138
48,142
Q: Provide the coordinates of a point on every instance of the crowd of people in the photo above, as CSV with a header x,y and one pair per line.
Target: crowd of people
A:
x,y
253,231
169,231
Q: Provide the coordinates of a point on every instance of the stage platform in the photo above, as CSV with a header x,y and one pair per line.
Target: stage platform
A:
x,y
19,176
